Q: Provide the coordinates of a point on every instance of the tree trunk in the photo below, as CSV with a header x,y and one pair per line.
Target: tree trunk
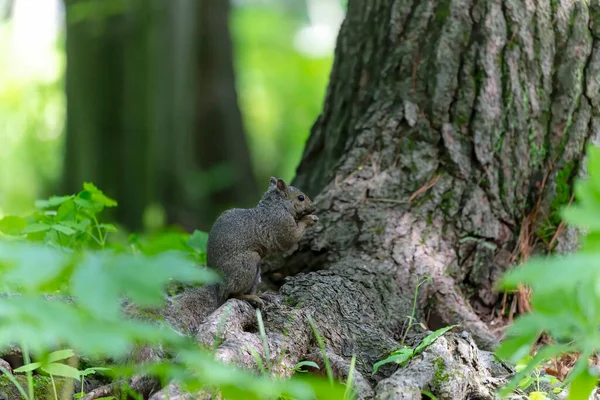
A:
x,y
449,138
450,135
144,81
220,142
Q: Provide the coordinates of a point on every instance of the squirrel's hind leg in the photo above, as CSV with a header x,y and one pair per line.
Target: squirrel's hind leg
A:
x,y
251,295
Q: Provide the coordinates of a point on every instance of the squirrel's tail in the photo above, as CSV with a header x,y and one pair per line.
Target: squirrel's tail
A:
x,y
191,307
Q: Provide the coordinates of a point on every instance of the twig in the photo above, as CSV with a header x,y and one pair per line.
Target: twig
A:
x,y
384,200
424,188
102,391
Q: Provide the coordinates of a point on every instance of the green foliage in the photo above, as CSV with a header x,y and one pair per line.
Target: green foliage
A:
x,y
65,221
535,378
298,366
565,298
281,90
32,110
404,354
36,264
411,318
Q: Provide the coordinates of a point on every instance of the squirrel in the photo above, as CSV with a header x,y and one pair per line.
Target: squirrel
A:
x,y
237,243
241,238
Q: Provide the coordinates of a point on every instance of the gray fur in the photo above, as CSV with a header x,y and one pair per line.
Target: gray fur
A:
x,y
241,238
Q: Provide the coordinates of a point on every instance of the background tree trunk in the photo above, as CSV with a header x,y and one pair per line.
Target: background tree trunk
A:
x,y
143,83
220,143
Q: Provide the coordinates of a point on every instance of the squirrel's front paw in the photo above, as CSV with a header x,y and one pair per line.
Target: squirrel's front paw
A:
x,y
311,219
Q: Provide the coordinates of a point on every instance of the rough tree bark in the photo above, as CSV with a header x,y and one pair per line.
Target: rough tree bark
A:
x,y
451,131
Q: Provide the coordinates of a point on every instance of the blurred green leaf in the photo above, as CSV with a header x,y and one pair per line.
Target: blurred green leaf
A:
x,y
52,201
198,241
582,385
63,229
28,367
59,369
96,195
36,228
60,355
11,225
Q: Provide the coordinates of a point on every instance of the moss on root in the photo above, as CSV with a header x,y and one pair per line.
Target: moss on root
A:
x,y
42,387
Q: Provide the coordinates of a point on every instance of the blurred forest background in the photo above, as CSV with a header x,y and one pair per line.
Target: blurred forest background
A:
x,y
178,109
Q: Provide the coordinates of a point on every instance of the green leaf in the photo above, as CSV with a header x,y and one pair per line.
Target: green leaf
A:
x,y
30,265
97,196
52,201
91,283
59,369
60,355
12,225
428,394
538,396
108,227
66,211
581,267
399,357
198,241
28,367
93,370
585,217
301,364
514,348
545,353
36,228
83,203
582,385
63,229
432,337
525,382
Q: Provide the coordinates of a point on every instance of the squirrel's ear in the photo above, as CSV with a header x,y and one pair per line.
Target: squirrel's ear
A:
x,y
272,181
281,185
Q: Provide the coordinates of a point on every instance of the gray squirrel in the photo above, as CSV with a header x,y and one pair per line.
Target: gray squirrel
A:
x,y
237,243
241,238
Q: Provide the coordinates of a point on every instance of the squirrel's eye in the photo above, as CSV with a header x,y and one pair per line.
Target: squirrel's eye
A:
x,y
300,197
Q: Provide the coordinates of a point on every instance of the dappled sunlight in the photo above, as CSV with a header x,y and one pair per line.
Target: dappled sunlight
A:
x,y
32,105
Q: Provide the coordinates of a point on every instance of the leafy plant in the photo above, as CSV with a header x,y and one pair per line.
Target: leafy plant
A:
x,y
411,318
535,378
65,221
298,366
404,354
565,298
66,289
